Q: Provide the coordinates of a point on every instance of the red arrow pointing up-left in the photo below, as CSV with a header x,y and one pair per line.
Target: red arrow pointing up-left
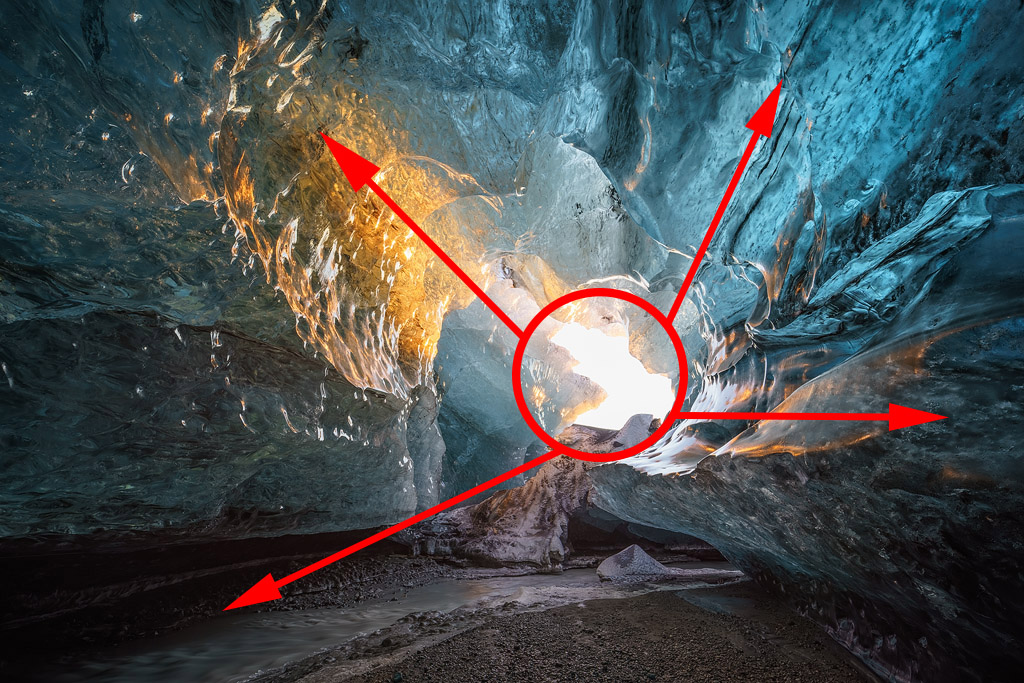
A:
x,y
360,172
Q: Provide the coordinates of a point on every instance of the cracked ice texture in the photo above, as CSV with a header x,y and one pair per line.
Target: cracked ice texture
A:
x,y
546,146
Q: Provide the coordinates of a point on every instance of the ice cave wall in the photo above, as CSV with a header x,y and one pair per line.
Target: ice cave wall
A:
x,y
206,332
907,543
119,114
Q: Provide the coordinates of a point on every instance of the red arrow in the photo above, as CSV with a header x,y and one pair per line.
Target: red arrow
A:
x,y
761,123
898,417
360,172
267,588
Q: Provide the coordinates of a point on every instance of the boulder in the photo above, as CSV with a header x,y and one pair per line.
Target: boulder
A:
x,y
632,564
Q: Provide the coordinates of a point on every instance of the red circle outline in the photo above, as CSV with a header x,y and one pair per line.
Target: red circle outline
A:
x,y
517,373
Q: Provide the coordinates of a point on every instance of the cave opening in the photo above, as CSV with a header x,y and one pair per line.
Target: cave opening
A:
x,y
630,389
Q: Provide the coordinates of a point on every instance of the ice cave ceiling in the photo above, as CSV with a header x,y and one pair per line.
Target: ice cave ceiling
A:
x,y
204,331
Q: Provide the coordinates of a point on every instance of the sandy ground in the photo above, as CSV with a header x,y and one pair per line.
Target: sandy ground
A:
x,y
734,632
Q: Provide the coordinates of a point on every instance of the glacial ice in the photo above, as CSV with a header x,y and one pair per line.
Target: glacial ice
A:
x,y
206,333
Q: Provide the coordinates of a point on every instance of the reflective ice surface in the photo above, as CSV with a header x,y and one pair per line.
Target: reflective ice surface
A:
x,y
203,330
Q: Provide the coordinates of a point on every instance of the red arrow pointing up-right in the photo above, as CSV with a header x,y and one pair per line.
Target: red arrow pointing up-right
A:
x,y
761,123
764,118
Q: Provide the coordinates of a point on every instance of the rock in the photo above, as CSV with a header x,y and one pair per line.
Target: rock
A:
x,y
632,564
528,525
600,440
636,429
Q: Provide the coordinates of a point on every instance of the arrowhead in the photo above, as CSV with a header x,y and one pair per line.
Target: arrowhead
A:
x,y
357,170
763,120
265,590
900,417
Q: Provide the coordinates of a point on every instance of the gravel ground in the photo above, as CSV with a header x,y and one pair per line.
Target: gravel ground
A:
x,y
737,633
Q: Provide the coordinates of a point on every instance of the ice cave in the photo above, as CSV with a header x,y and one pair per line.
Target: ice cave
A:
x,y
231,363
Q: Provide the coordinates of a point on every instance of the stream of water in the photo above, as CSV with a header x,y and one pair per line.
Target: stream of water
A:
x,y
232,647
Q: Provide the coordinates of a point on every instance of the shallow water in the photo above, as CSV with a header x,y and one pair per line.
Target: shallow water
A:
x,y
232,647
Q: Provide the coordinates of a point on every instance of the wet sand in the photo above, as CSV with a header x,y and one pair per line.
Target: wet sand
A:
x,y
734,632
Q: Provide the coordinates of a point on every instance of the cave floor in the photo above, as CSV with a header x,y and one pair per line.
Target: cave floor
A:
x,y
734,632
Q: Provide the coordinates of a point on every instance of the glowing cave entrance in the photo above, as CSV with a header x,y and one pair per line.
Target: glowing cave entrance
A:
x,y
606,360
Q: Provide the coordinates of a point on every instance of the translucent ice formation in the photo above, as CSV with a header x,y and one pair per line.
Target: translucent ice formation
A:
x,y
206,332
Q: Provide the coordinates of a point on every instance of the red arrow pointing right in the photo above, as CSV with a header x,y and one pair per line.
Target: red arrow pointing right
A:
x,y
898,417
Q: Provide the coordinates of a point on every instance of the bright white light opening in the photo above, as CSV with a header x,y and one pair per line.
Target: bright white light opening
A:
x,y
606,360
